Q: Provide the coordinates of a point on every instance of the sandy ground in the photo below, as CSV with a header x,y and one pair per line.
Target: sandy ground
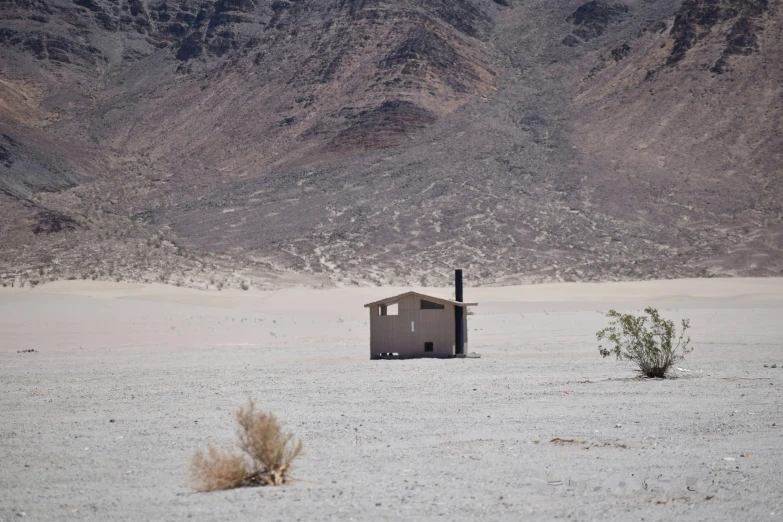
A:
x,y
389,440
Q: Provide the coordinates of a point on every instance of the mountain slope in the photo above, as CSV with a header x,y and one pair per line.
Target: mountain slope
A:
x,y
379,140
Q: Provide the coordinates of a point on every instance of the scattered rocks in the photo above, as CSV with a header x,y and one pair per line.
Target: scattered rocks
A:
x,y
27,351
562,441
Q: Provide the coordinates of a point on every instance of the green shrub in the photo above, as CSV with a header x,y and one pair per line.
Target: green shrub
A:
x,y
648,341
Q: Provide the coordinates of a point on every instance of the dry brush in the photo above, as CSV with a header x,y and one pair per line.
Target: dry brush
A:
x,y
263,456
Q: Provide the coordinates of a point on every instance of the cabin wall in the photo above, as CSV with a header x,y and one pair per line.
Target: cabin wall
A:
x,y
393,333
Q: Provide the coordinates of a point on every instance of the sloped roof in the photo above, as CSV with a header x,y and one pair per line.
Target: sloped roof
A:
x,y
440,300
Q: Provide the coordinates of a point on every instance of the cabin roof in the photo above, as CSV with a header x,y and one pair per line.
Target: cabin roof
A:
x,y
440,300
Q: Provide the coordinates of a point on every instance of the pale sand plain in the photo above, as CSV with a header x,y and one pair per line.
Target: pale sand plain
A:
x,y
460,439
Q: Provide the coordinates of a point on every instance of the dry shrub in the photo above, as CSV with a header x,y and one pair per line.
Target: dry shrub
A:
x,y
264,458
217,470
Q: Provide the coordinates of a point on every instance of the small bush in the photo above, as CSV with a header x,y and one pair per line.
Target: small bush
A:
x,y
647,341
264,459
244,286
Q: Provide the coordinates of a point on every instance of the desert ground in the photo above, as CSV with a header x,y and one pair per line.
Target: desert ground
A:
x,y
125,381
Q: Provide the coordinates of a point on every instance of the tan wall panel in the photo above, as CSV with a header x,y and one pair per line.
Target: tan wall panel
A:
x,y
409,304
392,333
437,327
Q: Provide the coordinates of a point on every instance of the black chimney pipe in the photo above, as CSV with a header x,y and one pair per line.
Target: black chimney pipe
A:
x,y
459,311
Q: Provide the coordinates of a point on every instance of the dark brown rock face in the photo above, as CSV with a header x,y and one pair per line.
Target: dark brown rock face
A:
x,y
593,18
54,222
697,18
381,126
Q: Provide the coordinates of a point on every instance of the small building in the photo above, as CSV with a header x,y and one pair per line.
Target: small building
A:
x,y
418,325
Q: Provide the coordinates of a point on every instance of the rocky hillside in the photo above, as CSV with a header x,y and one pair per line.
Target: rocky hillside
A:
x,y
374,141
